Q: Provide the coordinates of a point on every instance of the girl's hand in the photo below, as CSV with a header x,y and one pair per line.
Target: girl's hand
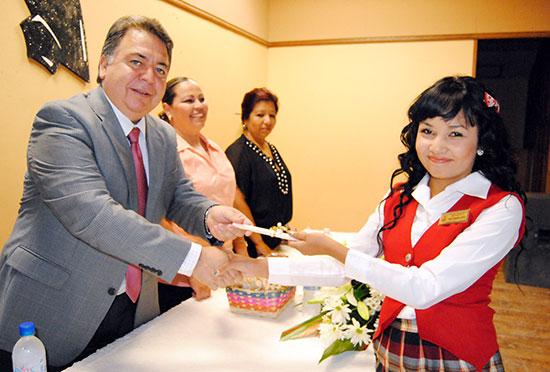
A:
x,y
316,243
248,267
201,290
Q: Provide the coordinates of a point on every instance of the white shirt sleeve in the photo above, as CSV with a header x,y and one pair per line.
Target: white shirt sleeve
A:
x,y
366,240
323,270
306,270
191,259
478,248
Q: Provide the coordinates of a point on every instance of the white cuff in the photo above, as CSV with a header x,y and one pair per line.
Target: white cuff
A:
x,y
188,266
357,265
279,270
306,270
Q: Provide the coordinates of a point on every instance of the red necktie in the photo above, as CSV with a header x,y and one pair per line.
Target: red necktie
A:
x,y
133,274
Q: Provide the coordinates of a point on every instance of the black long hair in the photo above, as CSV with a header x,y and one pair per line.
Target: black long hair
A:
x,y
446,98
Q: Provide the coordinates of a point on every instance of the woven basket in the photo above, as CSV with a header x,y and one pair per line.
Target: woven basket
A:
x,y
267,303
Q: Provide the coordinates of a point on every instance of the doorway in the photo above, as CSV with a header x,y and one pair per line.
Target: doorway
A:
x,y
518,72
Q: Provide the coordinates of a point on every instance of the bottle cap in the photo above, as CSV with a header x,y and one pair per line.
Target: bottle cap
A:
x,y
26,329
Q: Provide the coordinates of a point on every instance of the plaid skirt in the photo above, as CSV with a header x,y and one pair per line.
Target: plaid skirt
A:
x,y
400,349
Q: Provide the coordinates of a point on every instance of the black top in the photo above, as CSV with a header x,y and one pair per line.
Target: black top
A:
x,y
267,190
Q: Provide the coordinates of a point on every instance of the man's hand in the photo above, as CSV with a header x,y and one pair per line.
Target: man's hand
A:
x,y
206,271
220,219
248,267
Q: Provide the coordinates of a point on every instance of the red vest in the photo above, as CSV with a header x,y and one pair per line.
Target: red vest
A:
x,y
462,323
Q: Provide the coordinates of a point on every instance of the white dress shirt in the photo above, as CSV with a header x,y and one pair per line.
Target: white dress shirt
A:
x,y
127,125
477,249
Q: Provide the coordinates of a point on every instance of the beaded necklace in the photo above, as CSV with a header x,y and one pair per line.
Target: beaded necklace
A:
x,y
280,172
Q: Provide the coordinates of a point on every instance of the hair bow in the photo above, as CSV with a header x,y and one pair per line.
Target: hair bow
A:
x,y
490,101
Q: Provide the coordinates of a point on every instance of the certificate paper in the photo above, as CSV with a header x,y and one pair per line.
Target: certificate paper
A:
x,y
260,230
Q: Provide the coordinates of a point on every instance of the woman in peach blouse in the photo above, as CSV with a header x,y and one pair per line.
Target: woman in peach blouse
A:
x,y
204,162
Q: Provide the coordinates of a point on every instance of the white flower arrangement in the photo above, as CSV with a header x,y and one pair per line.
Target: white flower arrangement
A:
x,y
347,321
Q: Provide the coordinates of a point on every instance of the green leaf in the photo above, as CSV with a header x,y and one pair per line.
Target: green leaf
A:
x,y
363,310
338,347
299,330
360,290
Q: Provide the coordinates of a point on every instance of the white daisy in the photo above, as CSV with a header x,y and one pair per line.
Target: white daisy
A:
x,y
330,332
358,335
337,310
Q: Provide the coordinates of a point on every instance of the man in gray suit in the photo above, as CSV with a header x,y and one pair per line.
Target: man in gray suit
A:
x,y
78,229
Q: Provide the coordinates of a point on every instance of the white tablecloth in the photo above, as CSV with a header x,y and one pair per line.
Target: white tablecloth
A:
x,y
207,336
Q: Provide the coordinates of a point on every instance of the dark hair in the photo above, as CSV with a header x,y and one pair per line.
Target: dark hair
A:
x,y
170,94
253,97
123,24
446,98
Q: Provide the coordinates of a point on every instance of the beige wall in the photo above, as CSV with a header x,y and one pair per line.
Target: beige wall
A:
x,y
250,15
329,19
341,112
342,107
225,64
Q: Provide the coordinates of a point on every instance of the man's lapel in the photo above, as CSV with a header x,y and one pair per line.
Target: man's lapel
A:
x,y
155,149
99,104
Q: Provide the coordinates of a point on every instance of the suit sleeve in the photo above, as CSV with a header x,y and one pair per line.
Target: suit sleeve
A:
x,y
62,162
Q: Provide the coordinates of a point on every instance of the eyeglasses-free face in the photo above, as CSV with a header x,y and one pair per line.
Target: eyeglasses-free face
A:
x,y
447,149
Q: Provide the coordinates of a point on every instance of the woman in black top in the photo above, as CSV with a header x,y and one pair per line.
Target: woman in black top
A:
x,y
264,189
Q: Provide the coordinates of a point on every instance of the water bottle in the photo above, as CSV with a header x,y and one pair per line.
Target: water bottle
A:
x,y
29,354
309,294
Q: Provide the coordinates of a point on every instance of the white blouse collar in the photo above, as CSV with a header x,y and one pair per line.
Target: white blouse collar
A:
x,y
475,184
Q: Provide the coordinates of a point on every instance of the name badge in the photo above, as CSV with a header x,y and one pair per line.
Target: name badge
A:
x,y
454,217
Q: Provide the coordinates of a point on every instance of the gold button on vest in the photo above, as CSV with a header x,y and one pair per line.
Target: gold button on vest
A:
x,y
408,257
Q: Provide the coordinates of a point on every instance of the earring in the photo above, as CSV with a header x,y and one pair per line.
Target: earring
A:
x,y
245,127
480,152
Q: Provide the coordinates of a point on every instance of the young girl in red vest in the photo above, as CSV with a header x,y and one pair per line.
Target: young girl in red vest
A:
x,y
442,235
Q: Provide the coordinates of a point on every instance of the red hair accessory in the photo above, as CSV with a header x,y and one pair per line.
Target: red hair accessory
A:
x,y
490,101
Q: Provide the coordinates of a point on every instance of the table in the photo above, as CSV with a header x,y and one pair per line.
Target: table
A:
x,y
207,336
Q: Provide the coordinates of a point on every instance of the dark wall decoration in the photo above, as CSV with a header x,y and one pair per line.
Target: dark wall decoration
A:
x,y
54,34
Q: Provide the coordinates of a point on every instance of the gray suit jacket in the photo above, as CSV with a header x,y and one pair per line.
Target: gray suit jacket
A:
x,y
77,229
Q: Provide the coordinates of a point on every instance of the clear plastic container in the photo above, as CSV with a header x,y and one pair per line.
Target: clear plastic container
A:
x,y
310,294
29,354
